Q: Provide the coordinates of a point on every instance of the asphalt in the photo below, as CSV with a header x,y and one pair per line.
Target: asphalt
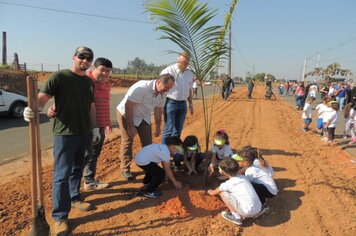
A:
x,y
343,143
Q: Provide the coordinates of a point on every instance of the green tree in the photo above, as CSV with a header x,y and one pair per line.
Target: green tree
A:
x,y
329,71
186,24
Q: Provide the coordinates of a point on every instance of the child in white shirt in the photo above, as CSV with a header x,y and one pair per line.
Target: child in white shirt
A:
x,y
331,121
221,149
307,113
320,111
149,158
349,115
237,193
261,180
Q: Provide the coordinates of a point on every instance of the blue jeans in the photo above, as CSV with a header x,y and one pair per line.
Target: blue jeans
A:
x,y
174,116
341,101
92,154
300,101
68,151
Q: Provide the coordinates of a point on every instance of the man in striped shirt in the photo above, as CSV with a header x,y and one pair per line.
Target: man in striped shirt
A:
x,y
100,74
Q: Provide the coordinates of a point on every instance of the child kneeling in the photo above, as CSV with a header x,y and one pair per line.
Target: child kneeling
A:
x,y
149,158
237,193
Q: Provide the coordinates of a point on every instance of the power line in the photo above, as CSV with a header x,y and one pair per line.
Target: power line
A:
x,y
334,47
240,53
76,13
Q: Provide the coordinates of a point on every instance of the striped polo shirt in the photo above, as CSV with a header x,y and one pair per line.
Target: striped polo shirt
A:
x,y
102,101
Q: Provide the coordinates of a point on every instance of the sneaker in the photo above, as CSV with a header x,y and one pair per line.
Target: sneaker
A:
x,y
81,206
60,228
155,194
264,209
95,185
127,175
324,139
230,217
175,168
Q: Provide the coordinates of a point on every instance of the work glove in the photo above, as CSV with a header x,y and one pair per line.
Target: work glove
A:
x,y
28,114
96,135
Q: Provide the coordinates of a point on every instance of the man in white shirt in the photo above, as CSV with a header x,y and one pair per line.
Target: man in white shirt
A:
x,y
134,115
175,109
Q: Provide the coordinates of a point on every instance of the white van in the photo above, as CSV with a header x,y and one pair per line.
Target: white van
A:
x,y
12,103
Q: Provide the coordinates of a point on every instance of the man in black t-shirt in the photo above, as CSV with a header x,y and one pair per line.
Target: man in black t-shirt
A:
x,y
74,119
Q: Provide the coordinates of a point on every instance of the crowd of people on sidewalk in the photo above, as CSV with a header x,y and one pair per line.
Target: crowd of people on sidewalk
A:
x,y
337,100
81,120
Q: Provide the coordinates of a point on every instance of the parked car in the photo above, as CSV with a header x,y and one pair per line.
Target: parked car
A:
x,y
12,103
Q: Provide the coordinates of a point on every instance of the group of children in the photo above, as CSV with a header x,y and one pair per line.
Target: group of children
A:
x,y
249,177
327,114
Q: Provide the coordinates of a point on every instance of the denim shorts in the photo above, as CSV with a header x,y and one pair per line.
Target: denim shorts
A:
x,y
319,125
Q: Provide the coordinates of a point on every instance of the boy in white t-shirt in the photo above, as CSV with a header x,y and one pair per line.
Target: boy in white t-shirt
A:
x,y
149,158
237,193
321,109
307,113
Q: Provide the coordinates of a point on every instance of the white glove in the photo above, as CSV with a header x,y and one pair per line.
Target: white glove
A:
x,y
96,135
28,114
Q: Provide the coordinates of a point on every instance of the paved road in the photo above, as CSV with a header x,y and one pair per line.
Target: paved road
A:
x,y
14,132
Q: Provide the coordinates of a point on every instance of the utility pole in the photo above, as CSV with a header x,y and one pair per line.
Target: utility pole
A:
x,y
317,64
229,66
303,73
4,53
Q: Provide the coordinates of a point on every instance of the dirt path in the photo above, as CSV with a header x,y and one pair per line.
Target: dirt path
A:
x,y
316,184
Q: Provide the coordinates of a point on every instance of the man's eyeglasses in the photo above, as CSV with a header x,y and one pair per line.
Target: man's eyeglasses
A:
x,y
82,57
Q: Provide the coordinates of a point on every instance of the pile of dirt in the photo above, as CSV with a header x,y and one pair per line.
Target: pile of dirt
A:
x,y
316,183
13,81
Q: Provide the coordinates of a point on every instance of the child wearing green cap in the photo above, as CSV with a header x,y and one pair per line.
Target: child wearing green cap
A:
x,y
221,149
192,155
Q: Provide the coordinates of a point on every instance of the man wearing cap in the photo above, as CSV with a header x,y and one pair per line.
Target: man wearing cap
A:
x,y
73,128
134,115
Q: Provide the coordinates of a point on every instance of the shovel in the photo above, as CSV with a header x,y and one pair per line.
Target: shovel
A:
x,y
39,223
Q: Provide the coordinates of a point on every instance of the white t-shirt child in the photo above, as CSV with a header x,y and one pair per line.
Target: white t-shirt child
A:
x,y
333,117
241,190
307,111
268,169
225,151
320,109
260,176
153,153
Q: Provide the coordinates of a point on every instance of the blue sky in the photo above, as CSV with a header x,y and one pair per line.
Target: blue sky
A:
x,y
270,36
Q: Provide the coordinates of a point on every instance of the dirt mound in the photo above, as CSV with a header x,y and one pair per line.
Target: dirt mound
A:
x,y
316,183
13,81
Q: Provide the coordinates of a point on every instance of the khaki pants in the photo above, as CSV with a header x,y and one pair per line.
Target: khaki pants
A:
x,y
145,134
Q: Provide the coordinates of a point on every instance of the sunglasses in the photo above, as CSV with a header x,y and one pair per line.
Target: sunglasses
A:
x,y
82,57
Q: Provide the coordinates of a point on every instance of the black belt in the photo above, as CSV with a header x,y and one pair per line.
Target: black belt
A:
x,y
174,100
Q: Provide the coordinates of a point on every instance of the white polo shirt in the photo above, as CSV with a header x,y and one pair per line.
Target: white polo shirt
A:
x,y
182,85
153,153
143,94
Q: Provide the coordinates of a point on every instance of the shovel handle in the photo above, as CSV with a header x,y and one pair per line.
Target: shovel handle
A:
x,y
38,144
32,143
